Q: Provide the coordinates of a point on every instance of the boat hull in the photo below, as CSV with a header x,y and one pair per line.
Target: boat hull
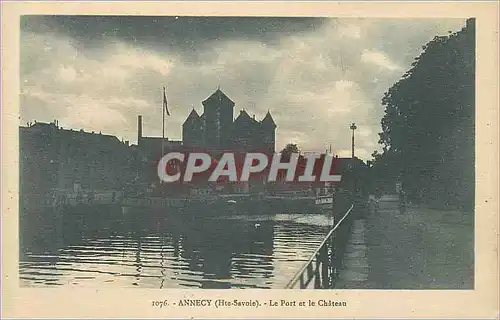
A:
x,y
324,203
221,206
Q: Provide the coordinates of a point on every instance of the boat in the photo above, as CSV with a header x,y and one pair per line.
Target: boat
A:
x,y
324,200
295,204
193,205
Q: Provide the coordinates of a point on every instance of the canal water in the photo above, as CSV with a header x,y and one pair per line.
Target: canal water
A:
x,y
151,251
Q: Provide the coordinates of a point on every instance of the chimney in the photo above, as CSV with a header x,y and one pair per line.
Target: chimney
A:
x,y
139,129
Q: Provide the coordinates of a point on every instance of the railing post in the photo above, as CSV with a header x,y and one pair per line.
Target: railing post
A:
x,y
324,266
339,245
331,253
333,259
309,274
317,276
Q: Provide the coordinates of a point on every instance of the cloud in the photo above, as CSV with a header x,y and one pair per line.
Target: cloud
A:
x,y
315,76
379,59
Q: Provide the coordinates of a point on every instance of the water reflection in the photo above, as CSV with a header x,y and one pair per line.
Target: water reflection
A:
x,y
143,250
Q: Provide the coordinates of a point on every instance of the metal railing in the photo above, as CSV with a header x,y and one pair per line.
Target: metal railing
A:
x,y
325,262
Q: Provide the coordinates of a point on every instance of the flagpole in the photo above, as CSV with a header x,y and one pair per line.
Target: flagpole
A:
x,y
163,127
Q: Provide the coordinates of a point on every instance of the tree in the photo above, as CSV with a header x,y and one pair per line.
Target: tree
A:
x,y
428,127
290,148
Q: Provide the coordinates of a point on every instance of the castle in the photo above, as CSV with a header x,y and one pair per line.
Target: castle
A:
x,y
216,130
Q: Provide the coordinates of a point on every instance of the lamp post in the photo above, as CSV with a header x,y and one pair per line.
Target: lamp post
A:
x,y
352,127
353,167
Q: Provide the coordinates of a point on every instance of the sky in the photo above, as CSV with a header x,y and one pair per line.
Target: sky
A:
x,y
315,75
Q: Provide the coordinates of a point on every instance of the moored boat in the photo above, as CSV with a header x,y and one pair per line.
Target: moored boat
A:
x,y
325,198
324,202
206,205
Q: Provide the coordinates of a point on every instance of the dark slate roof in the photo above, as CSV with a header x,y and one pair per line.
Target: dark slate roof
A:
x,y
268,120
82,139
42,126
220,97
96,138
244,117
193,116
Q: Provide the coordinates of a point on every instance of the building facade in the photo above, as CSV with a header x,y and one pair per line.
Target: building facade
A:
x,y
55,158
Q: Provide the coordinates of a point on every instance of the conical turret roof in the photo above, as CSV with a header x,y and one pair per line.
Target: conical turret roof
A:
x,y
268,120
243,117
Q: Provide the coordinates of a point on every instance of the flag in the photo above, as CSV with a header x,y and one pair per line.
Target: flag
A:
x,y
165,104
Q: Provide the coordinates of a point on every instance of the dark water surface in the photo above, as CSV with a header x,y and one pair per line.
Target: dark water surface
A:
x,y
149,251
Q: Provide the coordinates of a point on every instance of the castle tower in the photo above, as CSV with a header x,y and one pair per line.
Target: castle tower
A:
x,y
218,113
268,132
192,130
244,132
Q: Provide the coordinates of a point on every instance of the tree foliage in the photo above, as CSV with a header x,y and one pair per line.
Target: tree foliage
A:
x,y
428,127
290,148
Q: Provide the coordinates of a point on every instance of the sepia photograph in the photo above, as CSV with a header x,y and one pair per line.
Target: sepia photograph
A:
x,y
321,153
104,98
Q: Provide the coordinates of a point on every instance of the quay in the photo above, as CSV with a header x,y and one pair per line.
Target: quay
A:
x,y
422,248
63,199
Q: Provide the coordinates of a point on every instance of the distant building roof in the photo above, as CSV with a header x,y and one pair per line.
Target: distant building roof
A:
x,y
97,141
43,125
159,139
349,163
154,144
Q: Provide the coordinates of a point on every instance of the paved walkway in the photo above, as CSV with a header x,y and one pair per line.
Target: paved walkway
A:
x,y
421,249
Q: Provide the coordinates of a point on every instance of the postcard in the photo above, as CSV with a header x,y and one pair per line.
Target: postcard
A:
x,y
249,159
